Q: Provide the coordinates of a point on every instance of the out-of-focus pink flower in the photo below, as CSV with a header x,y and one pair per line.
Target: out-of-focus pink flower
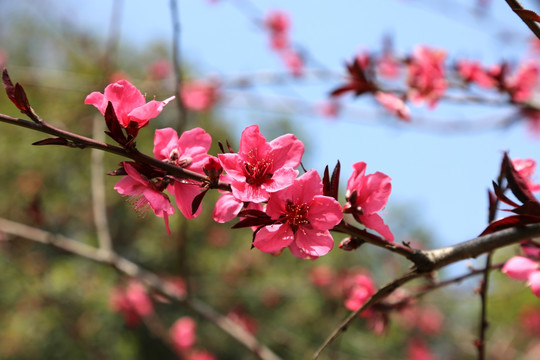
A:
x,y
277,21
530,320
293,61
521,85
526,168
329,109
522,268
388,66
361,289
472,71
427,319
200,95
321,276
160,69
132,302
190,151
183,334
144,193
418,350
366,195
242,318
394,104
200,354
303,217
129,104
426,77
260,168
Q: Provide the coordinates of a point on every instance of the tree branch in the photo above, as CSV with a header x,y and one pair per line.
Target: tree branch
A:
x,y
531,24
148,278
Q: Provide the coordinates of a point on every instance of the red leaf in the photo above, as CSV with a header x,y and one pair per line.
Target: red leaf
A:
x,y
334,181
253,221
197,201
326,182
501,196
516,182
16,93
509,222
53,141
531,208
527,14
115,130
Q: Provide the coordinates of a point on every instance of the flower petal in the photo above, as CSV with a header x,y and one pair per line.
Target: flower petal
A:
x,y
273,238
519,267
324,212
226,209
185,193
313,242
165,140
142,114
534,282
281,179
375,222
286,151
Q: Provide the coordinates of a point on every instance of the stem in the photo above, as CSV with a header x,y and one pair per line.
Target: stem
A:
x,y
531,24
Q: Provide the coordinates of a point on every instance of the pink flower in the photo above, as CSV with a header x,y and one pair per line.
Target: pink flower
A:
x,y
277,21
520,86
472,71
132,302
388,66
526,168
303,217
227,207
360,291
293,61
260,168
199,95
522,268
160,69
329,109
418,350
183,335
144,194
426,78
190,151
200,355
366,195
394,104
130,106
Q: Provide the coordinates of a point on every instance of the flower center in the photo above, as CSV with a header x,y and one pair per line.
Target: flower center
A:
x,y
258,170
296,215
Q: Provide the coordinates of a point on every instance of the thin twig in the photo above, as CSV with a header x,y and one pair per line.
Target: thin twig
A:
x,y
531,24
148,278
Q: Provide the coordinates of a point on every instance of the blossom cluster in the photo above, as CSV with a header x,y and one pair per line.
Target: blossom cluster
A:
x,y
267,192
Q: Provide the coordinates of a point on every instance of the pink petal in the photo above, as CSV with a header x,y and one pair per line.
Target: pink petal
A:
x,y
375,193
359,170
98,100
247,192
286,151
128,186
142,114
165,140
125,97
233,164
184,194
375,222
281,179
324,212
273,238
253,142
159,203
519,267
299,253
194,142
314,242
534,282
307,186
226,209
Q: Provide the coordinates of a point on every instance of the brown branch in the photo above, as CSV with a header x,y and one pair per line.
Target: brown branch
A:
x,y
531,24
84,142
148,278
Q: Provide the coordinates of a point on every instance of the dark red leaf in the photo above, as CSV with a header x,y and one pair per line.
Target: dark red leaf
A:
x,y
326,182
529,208
253,213
334,181
53,141
197,201
501,196
115,130
509,222
16,93
516,182
527,14
253,221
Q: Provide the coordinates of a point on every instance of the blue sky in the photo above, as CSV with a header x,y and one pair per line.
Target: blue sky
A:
x,y
444,177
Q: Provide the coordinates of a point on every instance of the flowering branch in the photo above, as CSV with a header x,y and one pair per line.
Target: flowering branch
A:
x,y
150,279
